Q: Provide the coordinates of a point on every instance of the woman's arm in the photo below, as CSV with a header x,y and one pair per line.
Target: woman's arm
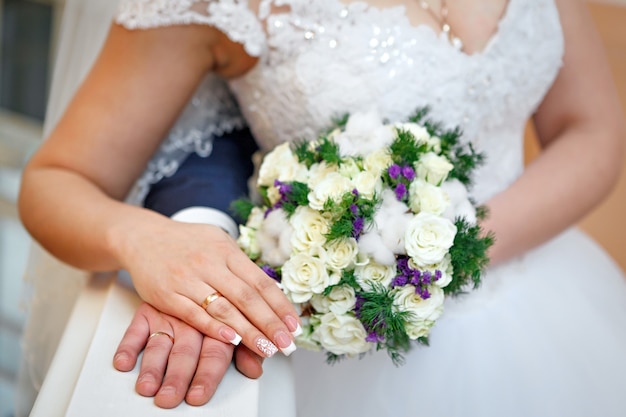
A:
x,y
70,200
581,129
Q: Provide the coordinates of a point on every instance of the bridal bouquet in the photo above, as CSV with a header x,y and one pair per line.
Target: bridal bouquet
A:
x,y
368,229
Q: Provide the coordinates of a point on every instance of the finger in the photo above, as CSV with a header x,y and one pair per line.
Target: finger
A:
x,y
155,357
181,365
134,340
215,357
242,297
223,310
268,290
248,363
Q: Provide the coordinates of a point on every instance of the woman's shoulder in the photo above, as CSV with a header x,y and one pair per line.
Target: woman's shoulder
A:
x,y
237,19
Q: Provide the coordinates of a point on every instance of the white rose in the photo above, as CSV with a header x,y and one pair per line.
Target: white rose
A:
x,y
247,241
309,228
307,339
368,184
341,253
377,161
342,334
273,194
434,144
280,164
426,197
340,300
428,238
349,168
418,328
303,276
430,309
420,134
317,172
433,168
445,266
256,218
374,273
332,187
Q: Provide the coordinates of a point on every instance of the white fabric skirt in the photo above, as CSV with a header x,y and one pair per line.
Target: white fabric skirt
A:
x,y
544,336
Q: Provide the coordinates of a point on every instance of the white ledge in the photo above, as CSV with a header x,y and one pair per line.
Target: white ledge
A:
x,y
82,381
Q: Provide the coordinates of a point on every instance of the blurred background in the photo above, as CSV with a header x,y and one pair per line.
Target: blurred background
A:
x,y
28,43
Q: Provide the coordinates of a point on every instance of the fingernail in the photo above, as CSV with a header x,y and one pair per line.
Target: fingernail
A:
x,y
285,343
120,357
146,378
293,326
196,391
230,335
266,347
169,391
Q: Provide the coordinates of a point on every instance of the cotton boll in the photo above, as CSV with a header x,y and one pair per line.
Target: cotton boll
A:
x,y
371,244
364,134
391,220
460,205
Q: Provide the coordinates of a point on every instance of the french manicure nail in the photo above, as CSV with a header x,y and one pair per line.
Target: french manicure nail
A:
x,y
285,343
293,325
266,347
230,335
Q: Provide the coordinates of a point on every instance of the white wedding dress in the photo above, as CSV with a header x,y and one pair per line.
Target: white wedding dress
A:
x,y
546,333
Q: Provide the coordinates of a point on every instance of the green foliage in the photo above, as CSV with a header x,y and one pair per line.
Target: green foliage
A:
x,y
241,209
343,218
324,150
299,196
379,315
468,255
405,150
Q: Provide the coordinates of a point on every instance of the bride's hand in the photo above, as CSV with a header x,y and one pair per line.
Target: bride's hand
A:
x,y
186,366
197,273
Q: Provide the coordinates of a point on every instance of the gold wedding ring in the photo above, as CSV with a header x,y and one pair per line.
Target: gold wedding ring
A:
x,y
210,298
161,334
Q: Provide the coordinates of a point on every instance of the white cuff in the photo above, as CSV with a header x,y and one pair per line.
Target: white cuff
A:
x,y
207,215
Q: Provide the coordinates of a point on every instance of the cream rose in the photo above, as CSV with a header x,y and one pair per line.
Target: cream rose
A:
x,y
430,309
374,273
340,300
341,253
377,161
433,168
248,242
367,184
333,186
428,198
309,228
418,328
280,164
303,276
428,238
419,132
341,334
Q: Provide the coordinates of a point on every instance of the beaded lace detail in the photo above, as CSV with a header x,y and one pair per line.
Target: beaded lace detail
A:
x,y
320,59
212,111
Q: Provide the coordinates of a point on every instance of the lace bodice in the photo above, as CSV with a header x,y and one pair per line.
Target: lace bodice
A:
x,y
323,58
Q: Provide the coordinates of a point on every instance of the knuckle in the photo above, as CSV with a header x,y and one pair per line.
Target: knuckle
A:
x,y
220,308
265,284
248,296
184,351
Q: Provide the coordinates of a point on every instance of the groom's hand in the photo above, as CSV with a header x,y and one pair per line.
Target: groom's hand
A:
x,y
186,366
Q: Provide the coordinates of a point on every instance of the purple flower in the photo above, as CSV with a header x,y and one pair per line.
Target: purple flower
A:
x,y
271,272
400,191
416,280
399,281
422,292
438,275
355,192
373,337
357,227
427,277
354,209
408,173
394,171
403,265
